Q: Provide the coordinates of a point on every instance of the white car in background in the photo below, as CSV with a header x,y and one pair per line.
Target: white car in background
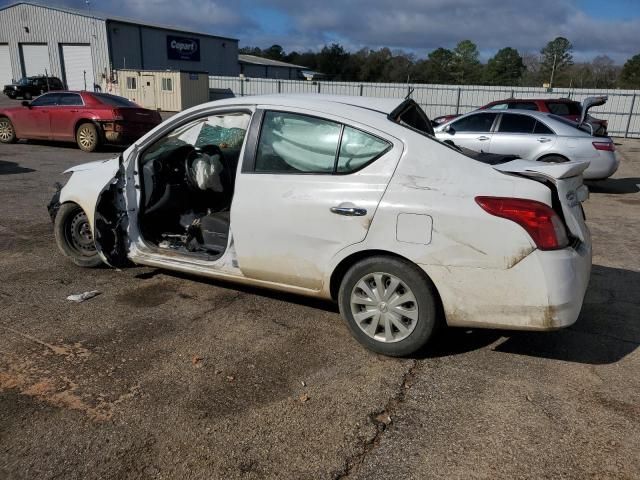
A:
x,y
344,198
532,135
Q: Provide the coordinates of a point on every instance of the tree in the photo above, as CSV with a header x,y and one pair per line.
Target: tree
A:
x,y
505,68
331,60
466,65
556,58
630,75
438,68
604,72
257,51
274,52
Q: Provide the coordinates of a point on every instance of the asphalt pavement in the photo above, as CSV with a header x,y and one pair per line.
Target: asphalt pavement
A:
x,y
170,376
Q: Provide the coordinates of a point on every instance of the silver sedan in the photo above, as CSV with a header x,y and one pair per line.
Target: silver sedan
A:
x,y
533,136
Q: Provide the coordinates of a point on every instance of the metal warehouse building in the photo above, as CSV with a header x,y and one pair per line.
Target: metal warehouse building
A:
x,y
82,48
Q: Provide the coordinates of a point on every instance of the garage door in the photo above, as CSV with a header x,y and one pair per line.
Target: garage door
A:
x,y
35,59
5,66
78,67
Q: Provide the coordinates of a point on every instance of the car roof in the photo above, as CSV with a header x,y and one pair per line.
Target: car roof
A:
x,y
319,101
563,100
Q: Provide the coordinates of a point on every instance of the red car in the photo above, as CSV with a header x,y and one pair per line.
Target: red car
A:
x,y
563,107
90,119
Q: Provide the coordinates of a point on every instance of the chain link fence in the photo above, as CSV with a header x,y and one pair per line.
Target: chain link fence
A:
x,y
622,109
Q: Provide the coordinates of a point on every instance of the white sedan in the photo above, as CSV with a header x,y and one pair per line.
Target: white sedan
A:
x,y
345,198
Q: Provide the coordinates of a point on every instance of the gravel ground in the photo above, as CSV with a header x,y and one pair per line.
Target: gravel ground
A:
x,y
170,376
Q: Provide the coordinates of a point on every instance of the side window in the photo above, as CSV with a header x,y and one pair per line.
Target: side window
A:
x,y
69,99
513,123
542,129
167,84
523,106
499,106
359,148
131,83
293,143
480,123
45,100
564,108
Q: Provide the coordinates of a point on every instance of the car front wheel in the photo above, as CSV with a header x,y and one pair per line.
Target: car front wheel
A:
x,y
389,304
74,237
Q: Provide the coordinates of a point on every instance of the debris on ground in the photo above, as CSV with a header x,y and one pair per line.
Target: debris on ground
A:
x,y
303,383
304,398
81,297
230,378
383,417
197,361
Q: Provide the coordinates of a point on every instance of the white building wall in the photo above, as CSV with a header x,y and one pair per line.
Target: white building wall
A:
x,y
27,24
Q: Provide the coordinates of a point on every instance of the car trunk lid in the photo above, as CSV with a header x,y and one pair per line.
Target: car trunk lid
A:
x,y
138,115
568,188
590,102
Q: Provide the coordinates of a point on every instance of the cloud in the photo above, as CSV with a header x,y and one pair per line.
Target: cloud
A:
x,y
422,25
415,25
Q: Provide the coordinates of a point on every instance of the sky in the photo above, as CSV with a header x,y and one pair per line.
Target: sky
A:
x,y
595,27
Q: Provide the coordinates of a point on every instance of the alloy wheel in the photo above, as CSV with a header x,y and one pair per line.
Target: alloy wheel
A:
x,y
87,137
384,307
6,130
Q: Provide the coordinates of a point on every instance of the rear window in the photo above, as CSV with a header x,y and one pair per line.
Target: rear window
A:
x,y
113,100
564,108
522,106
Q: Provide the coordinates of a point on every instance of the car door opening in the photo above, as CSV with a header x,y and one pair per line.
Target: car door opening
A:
x,y
187,181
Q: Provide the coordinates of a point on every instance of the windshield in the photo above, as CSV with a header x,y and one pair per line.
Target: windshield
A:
x,y
114,100
565,108
24,81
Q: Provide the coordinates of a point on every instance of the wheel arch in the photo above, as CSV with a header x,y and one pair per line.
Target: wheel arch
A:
x,y
346,263
551,154
84,120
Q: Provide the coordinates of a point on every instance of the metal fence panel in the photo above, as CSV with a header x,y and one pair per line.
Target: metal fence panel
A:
x,y
622,110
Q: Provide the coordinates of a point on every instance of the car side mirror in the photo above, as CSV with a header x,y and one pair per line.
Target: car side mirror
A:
x,y
449,129
26,103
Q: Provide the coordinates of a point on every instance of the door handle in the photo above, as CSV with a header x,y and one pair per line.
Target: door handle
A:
x,y
544,140
73,111
482,138
349,211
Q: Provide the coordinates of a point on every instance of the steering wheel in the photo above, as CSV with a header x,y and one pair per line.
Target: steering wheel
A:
x,y
195,154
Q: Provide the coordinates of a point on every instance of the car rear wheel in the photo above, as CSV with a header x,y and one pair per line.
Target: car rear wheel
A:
x,y
87,137
74,237
390,306
7,132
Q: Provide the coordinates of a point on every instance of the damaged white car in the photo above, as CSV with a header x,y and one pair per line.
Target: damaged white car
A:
x,y
345,198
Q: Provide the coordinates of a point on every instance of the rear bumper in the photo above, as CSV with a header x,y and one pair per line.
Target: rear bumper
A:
x,y
544,291
123,136
602,166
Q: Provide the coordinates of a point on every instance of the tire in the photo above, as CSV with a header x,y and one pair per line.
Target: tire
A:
x,y
7,132
27,96
418,314
74,237
554,159
87,137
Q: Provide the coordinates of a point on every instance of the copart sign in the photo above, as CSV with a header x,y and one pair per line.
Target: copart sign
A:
x,y
183,48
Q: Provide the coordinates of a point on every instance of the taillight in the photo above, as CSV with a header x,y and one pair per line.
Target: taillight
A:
x,y
539,220
117,115
606,146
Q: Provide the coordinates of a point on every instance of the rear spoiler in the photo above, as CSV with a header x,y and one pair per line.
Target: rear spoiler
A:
x,y
551,170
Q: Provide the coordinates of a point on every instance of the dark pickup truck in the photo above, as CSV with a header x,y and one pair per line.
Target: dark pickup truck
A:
x,y
29,87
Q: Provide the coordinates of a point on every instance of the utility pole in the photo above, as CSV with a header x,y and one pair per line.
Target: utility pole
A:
x,y
553,70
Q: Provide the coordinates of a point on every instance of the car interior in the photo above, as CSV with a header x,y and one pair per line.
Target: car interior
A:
x,y
188,178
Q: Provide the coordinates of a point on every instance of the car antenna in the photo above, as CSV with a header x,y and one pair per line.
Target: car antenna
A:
x,y
409,93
